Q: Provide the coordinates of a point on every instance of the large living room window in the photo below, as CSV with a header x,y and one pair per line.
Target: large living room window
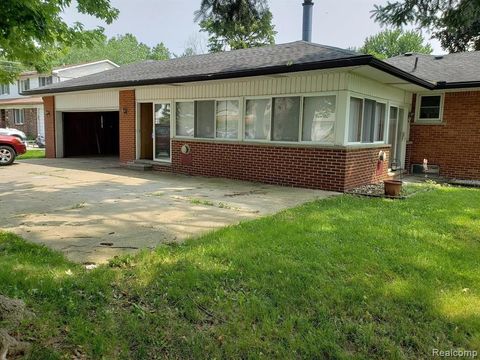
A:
x,y
18,116
366,121
207,119
429,108
307,119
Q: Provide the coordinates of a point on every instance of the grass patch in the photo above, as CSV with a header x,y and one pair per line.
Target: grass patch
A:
x,y
32,154
201,202
76,206
346,277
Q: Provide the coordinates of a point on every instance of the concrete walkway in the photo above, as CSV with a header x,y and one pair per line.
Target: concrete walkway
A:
x,y
92,209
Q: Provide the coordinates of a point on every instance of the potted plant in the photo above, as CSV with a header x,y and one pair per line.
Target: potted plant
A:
x,y
393,187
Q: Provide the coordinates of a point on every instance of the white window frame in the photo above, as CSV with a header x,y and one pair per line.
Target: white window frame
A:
x,y
21,115
272,113
240,120
4,89
406,125
309,95
162,102
242,108
347,119
40,78
21,83
438,120
245,99
174,115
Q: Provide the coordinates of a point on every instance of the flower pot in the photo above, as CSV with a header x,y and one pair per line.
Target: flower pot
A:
x,y
392,187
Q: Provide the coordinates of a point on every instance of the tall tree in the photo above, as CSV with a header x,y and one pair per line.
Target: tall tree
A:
x,y
456,24
121,49
389,43
236,24
32,32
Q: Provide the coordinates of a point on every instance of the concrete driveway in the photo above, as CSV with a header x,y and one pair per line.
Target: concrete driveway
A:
x,y
93,209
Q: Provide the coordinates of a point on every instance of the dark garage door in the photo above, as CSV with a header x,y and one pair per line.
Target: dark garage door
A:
x,y
91,133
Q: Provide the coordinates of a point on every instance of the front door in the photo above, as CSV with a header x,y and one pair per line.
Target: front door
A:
x,y
146,138
397,137
161,130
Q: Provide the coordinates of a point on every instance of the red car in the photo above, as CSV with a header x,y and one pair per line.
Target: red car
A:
x,y
10,147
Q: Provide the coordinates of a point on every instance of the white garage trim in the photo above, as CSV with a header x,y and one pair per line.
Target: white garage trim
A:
x,y
92,101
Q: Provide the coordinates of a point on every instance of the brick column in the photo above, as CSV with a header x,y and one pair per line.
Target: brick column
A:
x,y
49,108
127,125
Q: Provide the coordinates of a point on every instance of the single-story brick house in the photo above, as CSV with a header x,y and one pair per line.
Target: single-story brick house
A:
x,y
298,114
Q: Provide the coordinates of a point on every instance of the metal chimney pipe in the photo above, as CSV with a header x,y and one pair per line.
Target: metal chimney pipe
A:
x,y
307,20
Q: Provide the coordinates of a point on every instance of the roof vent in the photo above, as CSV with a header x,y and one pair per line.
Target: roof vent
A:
x,y
438,57
408,54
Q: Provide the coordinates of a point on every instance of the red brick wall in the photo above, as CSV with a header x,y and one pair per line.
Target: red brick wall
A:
x,y
3,118
49,108
127,125
318,168
361,167
29,126
408,156
454,145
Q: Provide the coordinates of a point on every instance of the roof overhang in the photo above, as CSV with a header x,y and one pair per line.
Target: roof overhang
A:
x,y
388,79
287,68
22,101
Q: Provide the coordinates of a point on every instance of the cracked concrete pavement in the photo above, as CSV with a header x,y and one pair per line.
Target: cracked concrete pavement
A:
x,y
93,209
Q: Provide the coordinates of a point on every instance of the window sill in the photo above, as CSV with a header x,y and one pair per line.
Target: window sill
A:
x,y
429,122
285,144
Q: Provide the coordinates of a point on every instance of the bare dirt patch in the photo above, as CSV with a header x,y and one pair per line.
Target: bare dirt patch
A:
x,y
12,313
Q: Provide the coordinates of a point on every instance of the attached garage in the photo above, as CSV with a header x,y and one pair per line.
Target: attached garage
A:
x,y
87,124
90,134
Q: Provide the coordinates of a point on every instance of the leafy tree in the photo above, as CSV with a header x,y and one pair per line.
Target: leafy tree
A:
x,y
236,24
32,32
121,49
456,24
159,52
389,43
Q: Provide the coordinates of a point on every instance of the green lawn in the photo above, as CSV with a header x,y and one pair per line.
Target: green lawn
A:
x,y
33,154
347,277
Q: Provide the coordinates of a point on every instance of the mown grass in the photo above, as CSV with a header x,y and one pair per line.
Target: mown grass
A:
x,y
346,277
32,154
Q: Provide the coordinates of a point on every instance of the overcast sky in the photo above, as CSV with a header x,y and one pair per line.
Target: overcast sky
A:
x,y
341,23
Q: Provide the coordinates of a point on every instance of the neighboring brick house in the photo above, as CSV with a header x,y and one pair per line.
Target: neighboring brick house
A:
x,y
25,113
296,114
445,126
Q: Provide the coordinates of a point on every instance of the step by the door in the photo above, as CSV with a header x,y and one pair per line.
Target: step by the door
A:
x,y
138,166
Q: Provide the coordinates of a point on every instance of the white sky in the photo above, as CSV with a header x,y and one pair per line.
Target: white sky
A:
x,y
341,23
